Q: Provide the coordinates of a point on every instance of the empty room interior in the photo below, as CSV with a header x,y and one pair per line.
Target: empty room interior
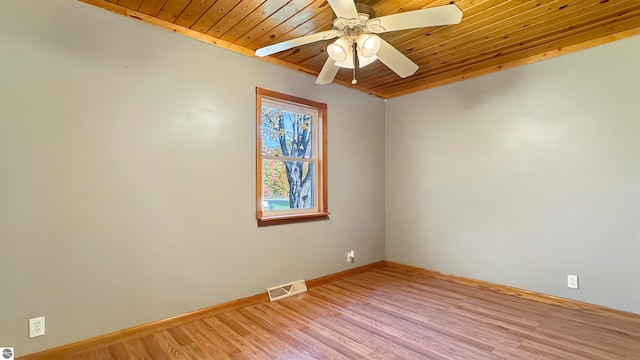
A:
x,y
410,179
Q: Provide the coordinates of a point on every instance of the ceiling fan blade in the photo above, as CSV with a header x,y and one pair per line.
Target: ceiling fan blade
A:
x,y
395,60
328,72
344,8
286,45
434,16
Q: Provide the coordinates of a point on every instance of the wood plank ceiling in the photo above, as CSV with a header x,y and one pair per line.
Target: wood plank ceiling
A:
x,y
493,34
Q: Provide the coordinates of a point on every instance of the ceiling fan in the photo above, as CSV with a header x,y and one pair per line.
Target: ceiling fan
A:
x,y
358,45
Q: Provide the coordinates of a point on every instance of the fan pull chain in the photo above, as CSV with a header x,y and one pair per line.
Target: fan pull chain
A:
x,y
356,62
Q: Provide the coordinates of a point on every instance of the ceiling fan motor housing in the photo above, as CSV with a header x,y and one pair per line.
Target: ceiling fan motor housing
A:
x,y
366,9
355,26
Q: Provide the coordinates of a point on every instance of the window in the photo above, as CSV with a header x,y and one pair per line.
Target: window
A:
x,y
291,159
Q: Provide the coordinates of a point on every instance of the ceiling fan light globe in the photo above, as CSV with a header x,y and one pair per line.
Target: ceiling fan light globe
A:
x,y
338,50
368,45
336,53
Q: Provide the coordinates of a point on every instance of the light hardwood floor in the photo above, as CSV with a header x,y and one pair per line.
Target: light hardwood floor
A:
x,y
391,313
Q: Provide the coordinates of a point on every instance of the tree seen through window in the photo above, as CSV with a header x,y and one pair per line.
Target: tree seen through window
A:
x,y
287,184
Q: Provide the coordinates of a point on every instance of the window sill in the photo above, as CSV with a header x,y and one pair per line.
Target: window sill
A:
x,y
291,219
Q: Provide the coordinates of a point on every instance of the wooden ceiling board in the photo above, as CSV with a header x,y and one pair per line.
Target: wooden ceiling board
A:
x,y
239,12
493,34
306,21
131,4
383,8
522,40
443,40
213,15
194,11
283,14
172,9
264,11
318,50
517,32
474,27
151,7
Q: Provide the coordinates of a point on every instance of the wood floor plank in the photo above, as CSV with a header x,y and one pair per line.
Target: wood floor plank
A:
x,y
266,340
209,330
136,350
209,348
296,335
391,313
153,348
247,350
178,334
119,351
171,346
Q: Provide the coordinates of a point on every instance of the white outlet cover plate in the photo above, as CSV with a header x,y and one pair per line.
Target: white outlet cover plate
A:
x,y
351,254
572,281
36,327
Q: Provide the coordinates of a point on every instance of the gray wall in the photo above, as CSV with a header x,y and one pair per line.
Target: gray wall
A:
x,y
524,176
127,175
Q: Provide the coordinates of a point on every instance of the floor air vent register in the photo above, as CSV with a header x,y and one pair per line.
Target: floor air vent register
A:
x,y
286,290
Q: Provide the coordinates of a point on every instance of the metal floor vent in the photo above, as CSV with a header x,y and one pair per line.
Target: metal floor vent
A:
x,y
286,290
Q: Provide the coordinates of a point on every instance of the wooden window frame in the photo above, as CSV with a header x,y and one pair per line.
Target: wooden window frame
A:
x,y
321,210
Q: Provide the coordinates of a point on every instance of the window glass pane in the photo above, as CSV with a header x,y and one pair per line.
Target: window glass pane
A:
x,y
287,185
285,133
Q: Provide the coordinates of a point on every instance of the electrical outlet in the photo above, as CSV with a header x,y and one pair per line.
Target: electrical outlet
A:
x,y
351,255
36,327
572,281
